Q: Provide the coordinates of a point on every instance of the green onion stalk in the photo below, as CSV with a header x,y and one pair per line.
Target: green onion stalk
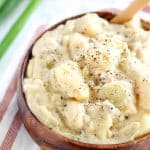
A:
x,y
17,26
6,7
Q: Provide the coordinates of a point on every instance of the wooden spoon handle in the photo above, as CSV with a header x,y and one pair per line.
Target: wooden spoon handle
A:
x,y
130,11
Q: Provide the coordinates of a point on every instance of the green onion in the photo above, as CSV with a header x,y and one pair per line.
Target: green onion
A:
x,y
7,7
2,3
17,27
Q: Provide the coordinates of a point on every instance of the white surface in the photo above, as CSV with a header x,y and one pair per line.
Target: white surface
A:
x,y
25,141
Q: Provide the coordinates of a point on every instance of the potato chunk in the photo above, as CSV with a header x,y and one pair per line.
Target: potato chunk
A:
x,y
143,90
77,44
45,44
130,131
141,74
120,93
101,115
30,68
35,91
67,79
74,114
89,24
145,123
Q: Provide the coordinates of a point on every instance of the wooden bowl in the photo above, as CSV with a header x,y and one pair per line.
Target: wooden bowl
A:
x,y
49,139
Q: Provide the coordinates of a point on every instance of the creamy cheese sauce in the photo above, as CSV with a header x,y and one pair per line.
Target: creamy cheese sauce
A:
x,y
89,80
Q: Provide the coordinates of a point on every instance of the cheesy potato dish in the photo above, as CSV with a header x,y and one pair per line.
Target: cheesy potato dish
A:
x,y
89,80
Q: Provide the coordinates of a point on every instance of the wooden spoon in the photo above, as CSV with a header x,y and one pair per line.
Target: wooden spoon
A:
x,y
130,11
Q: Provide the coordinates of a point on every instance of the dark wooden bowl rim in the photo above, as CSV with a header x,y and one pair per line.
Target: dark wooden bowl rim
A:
x,y
43,134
